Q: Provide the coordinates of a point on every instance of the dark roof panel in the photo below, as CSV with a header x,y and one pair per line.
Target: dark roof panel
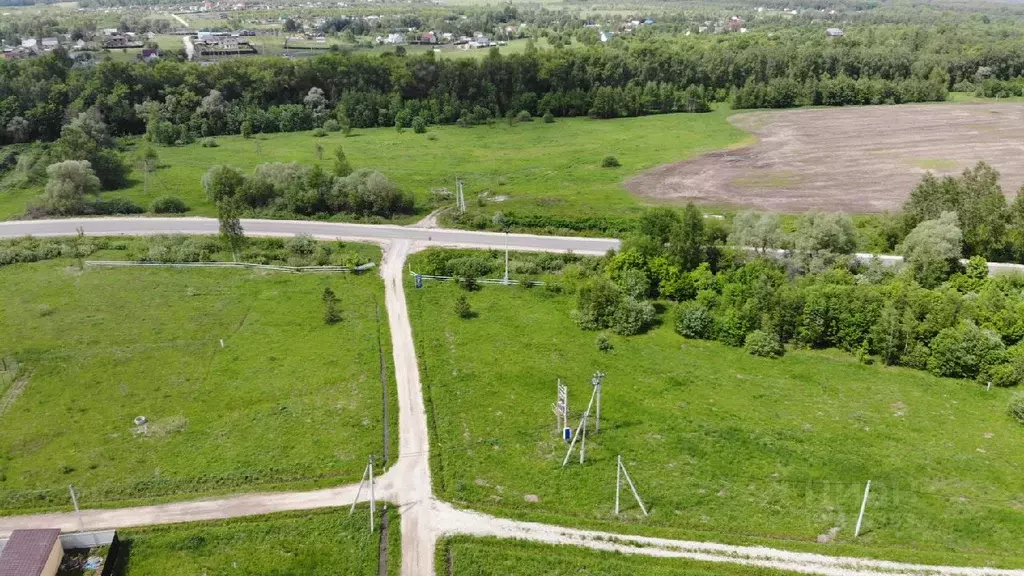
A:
x,y
26,552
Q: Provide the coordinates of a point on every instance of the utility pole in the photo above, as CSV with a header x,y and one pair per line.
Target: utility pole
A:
x,y
580,428
863,505
596,381
74,500
618,484
373,502
506,282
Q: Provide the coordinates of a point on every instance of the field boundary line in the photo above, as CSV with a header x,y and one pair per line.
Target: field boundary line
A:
x,y
275,267
11,396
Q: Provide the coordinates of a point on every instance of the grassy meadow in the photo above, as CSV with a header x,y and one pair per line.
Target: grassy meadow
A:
x,y
721,444
287,401
466,556
532,167
321,543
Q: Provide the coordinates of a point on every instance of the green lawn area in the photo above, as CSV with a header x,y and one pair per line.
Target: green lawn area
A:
x,y
722,445
538,168
465,556
286,402
328,542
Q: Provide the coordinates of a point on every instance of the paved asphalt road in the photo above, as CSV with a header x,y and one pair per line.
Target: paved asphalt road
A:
x,y
322,230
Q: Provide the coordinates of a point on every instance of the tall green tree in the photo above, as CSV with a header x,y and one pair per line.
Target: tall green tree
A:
x,y
231,232
687,241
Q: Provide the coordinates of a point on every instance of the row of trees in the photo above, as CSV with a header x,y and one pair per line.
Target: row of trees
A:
x,y
306,190
641,75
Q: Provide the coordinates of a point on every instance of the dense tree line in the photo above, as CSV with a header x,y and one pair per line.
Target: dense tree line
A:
x,y
624,78
963,325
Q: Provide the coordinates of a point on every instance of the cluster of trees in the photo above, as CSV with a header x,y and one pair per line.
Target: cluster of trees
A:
x,y
967,326
306,190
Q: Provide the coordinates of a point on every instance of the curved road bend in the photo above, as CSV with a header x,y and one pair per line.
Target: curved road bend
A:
x,y
407,483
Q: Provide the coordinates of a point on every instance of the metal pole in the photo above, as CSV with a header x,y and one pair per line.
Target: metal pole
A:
x,y
583,441
863,505
618,483
74,500
373,503
577,434
632,487
596,381
506,258
359,491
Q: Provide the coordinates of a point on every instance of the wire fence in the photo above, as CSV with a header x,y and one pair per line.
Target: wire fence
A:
x,y
274,267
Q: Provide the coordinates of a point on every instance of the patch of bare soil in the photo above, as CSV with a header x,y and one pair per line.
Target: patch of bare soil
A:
x,y
856,160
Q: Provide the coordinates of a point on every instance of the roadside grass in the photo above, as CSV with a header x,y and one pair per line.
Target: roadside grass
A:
x,y
468,556
287,402
325,542
722,445
532,167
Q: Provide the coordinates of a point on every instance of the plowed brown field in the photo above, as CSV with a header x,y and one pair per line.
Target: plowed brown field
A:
x,y
855,160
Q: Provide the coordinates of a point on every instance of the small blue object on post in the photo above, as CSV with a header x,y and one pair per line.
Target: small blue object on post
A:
x,y
419,281
567,434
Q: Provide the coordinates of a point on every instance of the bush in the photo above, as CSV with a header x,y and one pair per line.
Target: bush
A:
x,y
549,118
462,308
469,267
110,206
431,136
596,304
694,320
419,125
524,116
210,143
632,316
965,351
332,125
602,342
763,344
168,205
1017,407
610,162
319,133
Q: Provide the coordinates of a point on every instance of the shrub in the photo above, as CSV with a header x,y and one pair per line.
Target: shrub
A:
x,y
1016,408
1007,375
632,316
764,344
524,116
331,313
319,133
246,129
610,162
462,308
168,205
332,125
431,136
116,205
694,320
419,125
602,342
596,304
965,351
469,267
549,118
210,143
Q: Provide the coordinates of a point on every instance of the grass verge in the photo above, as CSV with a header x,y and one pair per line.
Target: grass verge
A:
x,y
467,556
328,542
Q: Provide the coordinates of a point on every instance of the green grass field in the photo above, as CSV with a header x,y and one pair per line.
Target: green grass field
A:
x,y
465,556
723,445
537,168
328,542
287,401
